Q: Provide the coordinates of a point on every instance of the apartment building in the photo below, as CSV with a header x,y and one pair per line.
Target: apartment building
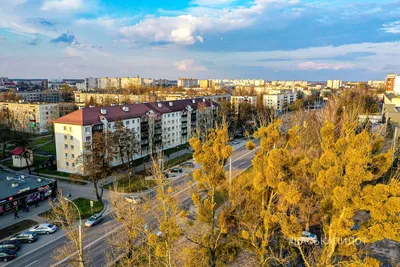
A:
x,y
48,96
334,84
204,84
237,100
81,98
157,125
109,83
30,117
129,82
280,102
188,82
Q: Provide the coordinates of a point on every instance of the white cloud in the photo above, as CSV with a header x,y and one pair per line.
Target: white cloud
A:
x,y
189,29
393,27
62,5
72,52
189,65
2,37
310,65
105,21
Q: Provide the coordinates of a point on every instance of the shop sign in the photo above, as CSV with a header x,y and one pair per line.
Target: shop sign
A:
x,y
24,189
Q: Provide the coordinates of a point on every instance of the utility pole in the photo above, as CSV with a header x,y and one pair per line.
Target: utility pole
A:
x,y
230,177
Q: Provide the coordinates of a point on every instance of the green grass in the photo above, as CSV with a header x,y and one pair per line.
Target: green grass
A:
x,y
178,160
40,159
220,198
16,228
48,149
83,206
40,141
137,184
54,172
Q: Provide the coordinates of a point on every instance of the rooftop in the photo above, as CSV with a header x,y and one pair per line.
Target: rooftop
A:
x,y
89,116
7,179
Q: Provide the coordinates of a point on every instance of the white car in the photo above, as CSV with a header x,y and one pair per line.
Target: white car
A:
x,y
235,142
134,199
95,219
308,238
44,228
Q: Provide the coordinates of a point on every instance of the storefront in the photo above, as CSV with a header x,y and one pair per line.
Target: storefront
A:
x,y
18,192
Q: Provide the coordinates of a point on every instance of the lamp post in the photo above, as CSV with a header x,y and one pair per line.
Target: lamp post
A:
x,y
80,251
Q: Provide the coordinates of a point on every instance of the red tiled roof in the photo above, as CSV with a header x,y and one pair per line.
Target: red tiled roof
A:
x,y
18,151
89,116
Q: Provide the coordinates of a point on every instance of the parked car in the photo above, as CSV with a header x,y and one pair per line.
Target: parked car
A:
x,y
25,237
44,228
10,244
235,142
308,238
176,170
7,254
166,175
134,199
187,165
95,219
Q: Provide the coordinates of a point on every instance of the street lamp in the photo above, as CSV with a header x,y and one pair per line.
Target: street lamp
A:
x,y
80,252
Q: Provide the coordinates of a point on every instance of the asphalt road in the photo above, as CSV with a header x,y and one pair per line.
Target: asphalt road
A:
x,y
95,243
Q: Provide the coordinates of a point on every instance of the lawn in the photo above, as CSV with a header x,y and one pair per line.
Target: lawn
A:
x,y
83,206
178,160
16,228
40,141
54,172
48,149
137,184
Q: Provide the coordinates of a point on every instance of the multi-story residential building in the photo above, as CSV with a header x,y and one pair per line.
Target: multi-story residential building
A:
x,y
334,84
148,82
30,117
205,84
280,102
376,83
188,82
163,82
109,83
129,82
390,81
157,126
48,96
237,100
396,84
81,98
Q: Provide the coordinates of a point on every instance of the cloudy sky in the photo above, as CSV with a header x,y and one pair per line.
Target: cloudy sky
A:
x,y
265,39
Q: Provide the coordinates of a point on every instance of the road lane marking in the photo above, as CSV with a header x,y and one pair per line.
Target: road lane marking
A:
x,y
31,263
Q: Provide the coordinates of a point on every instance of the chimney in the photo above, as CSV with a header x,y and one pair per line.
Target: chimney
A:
x,y
204,100
159,105
171,103
103,111
194,101
125,108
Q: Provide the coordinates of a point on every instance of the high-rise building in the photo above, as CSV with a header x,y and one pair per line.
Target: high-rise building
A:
x,y
334,84
237,100
390,81
280,102
188,82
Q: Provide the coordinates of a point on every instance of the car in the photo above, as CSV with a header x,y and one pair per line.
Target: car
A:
x,y
166,175
25,237
176,170
95,219
7,254
187,165
134,199
235,142
308,238
44,228
10,244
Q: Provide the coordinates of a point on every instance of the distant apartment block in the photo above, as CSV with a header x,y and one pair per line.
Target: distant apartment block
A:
x,y
334,84
237,100
205,84
157,125
376,83
280,102
188,82
389,81
48,96
29,117
81,98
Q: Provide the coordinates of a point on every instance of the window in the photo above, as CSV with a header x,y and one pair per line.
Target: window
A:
x,y
67,164
65,128
65,146
133,121
87,129
127,122
72,147
87,138
65,137
70,128
73,156
168,115
71,138
73,165
66,155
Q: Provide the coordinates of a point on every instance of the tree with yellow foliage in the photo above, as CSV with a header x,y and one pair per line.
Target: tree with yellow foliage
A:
x,y
212,153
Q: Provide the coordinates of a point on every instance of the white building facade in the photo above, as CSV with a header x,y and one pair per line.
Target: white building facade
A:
x,y
279,102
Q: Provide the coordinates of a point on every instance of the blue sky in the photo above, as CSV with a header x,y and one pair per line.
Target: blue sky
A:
x,y
263,39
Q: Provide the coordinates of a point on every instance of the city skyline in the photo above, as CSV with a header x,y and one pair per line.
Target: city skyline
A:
x,y
261,39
